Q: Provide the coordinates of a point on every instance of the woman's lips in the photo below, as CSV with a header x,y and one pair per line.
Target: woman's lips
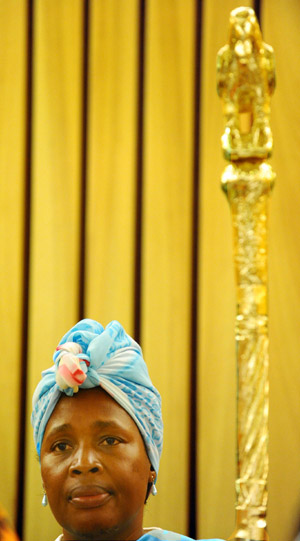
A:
x,y
88,497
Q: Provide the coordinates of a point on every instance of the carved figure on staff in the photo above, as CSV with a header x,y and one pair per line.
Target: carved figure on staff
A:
x,y
245,83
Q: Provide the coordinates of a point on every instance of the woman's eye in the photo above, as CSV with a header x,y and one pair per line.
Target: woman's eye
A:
x,y
61,446
111,441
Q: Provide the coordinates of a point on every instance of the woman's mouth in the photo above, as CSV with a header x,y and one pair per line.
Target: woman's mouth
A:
x,y
88,497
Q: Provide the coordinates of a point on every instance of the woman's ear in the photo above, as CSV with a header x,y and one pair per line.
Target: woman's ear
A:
x,y
151,479
152,476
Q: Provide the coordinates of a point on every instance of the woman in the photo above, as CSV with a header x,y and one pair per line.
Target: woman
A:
x,y
99,448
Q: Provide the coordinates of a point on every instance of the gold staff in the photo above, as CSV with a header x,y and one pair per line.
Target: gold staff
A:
x,y
245,83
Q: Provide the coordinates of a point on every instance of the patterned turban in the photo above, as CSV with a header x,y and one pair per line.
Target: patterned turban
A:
x,y
88,356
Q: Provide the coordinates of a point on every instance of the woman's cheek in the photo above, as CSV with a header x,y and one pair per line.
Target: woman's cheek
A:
x,y
51,469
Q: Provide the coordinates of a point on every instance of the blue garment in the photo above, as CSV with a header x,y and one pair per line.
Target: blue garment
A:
x,y
88,356
165,535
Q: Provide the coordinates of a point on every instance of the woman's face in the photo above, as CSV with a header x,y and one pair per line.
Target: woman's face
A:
x,y
95,468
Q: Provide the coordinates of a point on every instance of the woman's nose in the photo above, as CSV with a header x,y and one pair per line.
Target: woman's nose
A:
x,y
85,460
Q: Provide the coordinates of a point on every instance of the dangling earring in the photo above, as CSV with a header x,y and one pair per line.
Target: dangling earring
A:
x,y
153,488
44,500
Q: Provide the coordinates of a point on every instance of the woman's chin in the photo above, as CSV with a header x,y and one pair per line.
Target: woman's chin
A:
x,y
88,531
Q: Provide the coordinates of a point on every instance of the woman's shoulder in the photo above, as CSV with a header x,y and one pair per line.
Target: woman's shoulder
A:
x,y
154,534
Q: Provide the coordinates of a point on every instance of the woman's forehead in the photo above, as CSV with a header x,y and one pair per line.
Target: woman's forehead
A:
x,y
89,407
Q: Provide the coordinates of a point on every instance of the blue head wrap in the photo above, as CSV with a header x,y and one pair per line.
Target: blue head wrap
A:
x,y
89,356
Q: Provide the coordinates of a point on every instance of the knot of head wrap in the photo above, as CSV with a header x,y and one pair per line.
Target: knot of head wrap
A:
x,y
69,372
88,356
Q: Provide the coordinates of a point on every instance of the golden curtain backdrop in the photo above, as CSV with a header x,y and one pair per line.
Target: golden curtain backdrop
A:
x,y
112,209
